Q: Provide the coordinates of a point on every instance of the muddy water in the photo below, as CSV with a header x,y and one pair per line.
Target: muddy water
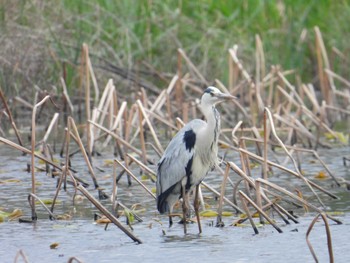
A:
x,y
89,242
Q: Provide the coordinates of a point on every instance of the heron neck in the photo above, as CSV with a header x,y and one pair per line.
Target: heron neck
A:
x,y
213,120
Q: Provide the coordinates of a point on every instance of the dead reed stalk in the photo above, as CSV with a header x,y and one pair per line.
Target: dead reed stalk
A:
x,y
329,238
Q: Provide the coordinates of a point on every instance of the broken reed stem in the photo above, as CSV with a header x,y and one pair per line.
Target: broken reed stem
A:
x,y
135,178
19,254
192,66
34,217
237,208
85,58
329,238
219,221
104,211
73,259
290,156
258,200
178,90
116,122
158,103
115,187
152,174
13,124
279,230
247,212
43,204
143,112
49,129
122,141
313,152
142,137
72,127
265,147
66,95
106,101
258,158
295,197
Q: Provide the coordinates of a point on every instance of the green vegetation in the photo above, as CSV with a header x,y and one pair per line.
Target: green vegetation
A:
x,y
36,36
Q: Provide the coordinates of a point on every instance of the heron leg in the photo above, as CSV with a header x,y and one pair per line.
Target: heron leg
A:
x,y
184,208
170,220
196,209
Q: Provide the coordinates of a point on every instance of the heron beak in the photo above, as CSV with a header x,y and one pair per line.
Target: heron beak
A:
x,y
224,97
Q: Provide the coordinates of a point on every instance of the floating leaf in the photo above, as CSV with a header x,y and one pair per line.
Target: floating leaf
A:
x,y
244,216
208,213
253,165
343,138
10,216
227,213
335,213
103,220
321,175
54,245
10,181
129,215
108,162
48,201
144,177
15,214
64,217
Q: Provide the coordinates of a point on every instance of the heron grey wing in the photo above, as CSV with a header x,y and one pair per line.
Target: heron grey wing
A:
x,y
177,157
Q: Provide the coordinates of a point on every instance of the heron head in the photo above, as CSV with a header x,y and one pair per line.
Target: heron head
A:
x,y
213,95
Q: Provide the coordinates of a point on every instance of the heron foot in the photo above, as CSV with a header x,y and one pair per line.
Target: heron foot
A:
x,y
188,221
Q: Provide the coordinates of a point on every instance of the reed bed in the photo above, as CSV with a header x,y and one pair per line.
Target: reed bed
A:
x,y
275,112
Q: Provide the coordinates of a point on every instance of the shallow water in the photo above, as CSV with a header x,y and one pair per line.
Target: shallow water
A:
x,y
89,242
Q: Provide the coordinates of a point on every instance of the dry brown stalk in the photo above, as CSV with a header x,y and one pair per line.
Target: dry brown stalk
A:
x,y
144,115
73,128
329,238
13,124
21,254
219,222
247,212
36,106
258,158
265,147
142,137
261,211
120,140
117,121
326,82
104,211
49,129
290,156
295,197
178,90
211,189
135,178
66,95
192,66
144,167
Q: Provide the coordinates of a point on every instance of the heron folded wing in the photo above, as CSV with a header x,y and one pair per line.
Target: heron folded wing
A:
x,y
174,164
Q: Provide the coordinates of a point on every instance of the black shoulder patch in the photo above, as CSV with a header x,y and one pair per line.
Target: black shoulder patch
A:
x,y
189,139
188,169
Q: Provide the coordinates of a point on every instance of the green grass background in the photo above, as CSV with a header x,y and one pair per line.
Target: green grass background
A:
x,y
37,35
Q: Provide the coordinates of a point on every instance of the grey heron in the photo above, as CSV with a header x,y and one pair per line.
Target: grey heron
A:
x,y
189,156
